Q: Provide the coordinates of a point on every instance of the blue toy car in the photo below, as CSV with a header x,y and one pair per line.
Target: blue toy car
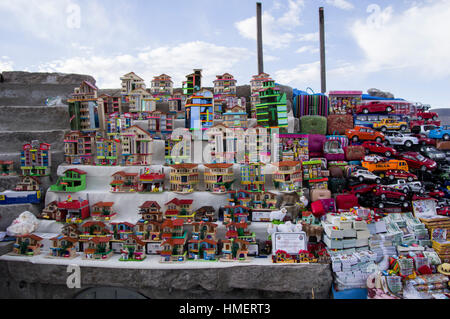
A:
x,y
442,132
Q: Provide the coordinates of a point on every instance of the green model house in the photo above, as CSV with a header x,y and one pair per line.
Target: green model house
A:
x,y
74,180
272,109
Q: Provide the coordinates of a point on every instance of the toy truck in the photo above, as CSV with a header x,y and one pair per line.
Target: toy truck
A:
x,y
390,124
385,166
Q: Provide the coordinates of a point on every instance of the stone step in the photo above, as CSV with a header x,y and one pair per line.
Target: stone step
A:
x,y
34,118
12,141
32,94
10,212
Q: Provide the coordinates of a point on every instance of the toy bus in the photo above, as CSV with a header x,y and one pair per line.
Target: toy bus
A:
x,y
385,166
24,197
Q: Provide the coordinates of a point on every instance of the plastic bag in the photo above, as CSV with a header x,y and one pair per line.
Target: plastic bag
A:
x,y
26,223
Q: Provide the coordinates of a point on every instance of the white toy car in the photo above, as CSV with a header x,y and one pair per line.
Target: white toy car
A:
x,y
364,175
375,158
406,187
396,138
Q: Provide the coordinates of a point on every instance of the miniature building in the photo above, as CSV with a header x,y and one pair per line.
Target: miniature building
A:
x,y
235,117
178,149
207,213
151,182
264,200
136,146
218,177
312,169
124,182
239,230
63,247
178,207
73,211
97,248
133,249
223,141
35,159
131,82
149,231
103,211
28,183
233,249
176,106
252,177
257,145
6,168
49,212
108,151
202,249
121,230
73,180
141,101
162,85
173,249
293,147
235,214
116,123
199,111
288,176
160,122
78,148
173,228
271,111
108,104
83,108
256,84
184,178
71,230
28,245
204,230
225,85
193,82
151,211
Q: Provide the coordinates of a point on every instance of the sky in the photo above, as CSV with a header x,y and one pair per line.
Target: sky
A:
x,y
399,46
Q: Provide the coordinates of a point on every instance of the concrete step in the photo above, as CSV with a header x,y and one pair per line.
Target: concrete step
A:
x,y
6,247
34,118
32,94
10,212
12,141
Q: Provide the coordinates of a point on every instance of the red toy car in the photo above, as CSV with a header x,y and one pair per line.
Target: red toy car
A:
x,y
422,115
436,194
388,192
379,148
424,140
417,161
400,174
444,211
374,107
360,189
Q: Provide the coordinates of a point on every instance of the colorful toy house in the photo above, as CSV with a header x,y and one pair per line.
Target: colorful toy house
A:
x,y
78,148
116,123
149,231
162,85
97,248
35,159
239,230
28,183
234,249
160,122
264,200
103,211
174,240
256,84
131,82
27,245
225,84
133,249
73,211
124,182
141,101
71,230
83,108
235,117
151,211
240,197
121,230
108,151
312,169
252,177
223,143
63,247
151,182
180,209
178,148
271,111
136,146
204,230
288,176
257,145
199,110
293,147
7,168
184,178
73,180
206,213
193,82
108,104
49,212
202,249
176,106
236,214
93,228
218,177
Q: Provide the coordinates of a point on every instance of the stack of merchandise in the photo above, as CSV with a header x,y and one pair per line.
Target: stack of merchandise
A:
x,y
442,248
437,222
413,231
427,286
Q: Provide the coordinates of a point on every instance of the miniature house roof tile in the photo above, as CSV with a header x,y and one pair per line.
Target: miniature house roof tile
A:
x,y
32,178
218,165
98,240
31,236
151,177
184,165
149,204
75,204
104,204
93,223
62,237
174,241
138,240
178,202
123,223
76,170
172,223
287,163
131,75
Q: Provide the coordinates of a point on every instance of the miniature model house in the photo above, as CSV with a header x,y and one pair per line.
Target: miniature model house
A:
x,y
271,111
83,108
121,230
151,211
293,147
124,182
236,214
141,101
252,176
103,211
234,249
28,245
150,182
176,106
235,117
73,180
184,178
162,85
288,176
256,84
160,122
136,146
202,249
73,211
204,230
225,85
6,168
199,111
133,249
218,177
264,200
97,248
49,212
63,247
131,82
193,82
78,148
108,151
35,159
28,183
116,123
179,208
206,213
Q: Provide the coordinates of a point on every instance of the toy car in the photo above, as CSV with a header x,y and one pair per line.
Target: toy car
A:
x,y
395,138
385,192
433,153
364,175
374,107
364,133
400,174
423,129
417,161
383,203
406,187
375,158
423,115
443,211
361,189
442,132
379,148
390,124
424,140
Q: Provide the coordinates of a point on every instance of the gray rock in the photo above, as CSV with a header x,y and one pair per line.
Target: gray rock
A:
x,y
45,78
379,93
34,118
243,91
12,141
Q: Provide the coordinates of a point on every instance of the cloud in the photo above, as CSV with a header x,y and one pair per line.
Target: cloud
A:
x,y
176,61
307,49
277,32
6,64
341,4
303,75
413,39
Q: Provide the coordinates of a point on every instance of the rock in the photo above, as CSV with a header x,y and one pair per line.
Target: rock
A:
x,y
23,78
379,93
243,91
44,117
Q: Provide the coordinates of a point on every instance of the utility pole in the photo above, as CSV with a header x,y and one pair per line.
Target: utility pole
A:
x,y
323,80
259,38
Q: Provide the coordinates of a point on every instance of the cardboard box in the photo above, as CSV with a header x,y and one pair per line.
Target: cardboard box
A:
x,y
333,243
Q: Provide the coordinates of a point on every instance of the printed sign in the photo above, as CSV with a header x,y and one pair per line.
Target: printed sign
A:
x,y
291,243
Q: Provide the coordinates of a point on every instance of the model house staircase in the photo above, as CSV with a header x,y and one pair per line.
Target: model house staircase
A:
x,y
24,117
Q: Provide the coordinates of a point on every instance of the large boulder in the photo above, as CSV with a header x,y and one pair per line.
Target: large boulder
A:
x,y
20,77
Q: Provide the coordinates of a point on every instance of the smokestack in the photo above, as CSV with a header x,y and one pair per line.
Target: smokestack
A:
x,y
259,38
323,80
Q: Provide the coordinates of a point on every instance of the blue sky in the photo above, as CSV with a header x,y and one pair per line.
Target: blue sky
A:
x,y
399,46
